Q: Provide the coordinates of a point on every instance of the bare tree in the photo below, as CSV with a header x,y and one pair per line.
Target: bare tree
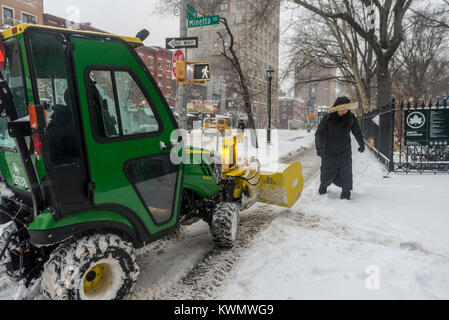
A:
x,y
333,43
434,16
389,34
231,49
423,58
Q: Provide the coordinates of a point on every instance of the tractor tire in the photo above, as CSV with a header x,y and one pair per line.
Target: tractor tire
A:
x,y
94,267
225,225
9,230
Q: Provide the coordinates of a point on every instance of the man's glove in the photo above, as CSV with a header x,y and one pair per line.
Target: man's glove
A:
x,y
362,149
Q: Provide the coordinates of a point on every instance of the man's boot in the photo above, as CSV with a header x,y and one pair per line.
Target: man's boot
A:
x,y
322,190
346,195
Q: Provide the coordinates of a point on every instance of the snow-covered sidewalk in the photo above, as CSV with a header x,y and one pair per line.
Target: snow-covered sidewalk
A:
x,y
390,242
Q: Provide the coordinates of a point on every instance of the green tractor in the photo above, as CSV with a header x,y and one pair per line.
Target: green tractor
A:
x,y
87,170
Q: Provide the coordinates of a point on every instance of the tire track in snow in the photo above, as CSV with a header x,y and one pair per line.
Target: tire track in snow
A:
x,y
206,277
349,233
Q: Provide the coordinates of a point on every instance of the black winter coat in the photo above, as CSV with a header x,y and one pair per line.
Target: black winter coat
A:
x,y
333,136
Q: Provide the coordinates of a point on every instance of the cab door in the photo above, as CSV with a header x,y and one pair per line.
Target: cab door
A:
x,y
127,125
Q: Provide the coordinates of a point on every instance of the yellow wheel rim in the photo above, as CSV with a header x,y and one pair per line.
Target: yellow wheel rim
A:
x,y
93,278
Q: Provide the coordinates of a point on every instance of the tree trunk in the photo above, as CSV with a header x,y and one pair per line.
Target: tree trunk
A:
x,y
384,83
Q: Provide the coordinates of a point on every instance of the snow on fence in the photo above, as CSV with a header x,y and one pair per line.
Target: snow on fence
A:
x,y
410,137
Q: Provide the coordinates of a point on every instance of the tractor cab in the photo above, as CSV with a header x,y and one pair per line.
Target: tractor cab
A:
x,y
84,129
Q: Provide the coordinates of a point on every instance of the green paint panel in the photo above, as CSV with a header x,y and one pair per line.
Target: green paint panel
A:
x,y
107,160
45,220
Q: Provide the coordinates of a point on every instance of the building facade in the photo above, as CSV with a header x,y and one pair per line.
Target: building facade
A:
x,y
256,44
15,12
58,22
158,60
291,113
317,84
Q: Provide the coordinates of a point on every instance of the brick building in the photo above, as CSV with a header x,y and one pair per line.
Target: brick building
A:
x,y
158,61
58,22
317,83
292,113
15,12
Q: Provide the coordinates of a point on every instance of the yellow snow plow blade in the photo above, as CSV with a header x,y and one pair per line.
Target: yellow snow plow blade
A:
x,y
283,188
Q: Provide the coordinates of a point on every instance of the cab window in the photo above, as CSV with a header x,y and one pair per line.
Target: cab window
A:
x,y
55,93
119,106
14,77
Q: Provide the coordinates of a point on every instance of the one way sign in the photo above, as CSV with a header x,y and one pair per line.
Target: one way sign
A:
x,y
180,43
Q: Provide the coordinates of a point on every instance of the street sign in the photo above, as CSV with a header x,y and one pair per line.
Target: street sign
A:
x,y
192,13
178,43
204,21
201,72
177,56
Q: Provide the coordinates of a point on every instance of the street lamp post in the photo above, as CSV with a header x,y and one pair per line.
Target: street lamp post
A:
x,y
270,73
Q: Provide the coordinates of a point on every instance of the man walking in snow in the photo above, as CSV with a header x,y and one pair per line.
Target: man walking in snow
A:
x,y
333,143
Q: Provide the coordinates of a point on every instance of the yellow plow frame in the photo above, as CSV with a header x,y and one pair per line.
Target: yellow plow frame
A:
x,y
281,188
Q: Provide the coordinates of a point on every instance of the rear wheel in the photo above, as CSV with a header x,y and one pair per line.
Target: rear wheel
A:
x,y
225,225
96,267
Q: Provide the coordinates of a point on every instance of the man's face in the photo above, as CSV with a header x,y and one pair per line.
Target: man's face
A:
x,y
342,113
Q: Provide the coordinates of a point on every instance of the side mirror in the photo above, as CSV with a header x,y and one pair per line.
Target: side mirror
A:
x,y
143,34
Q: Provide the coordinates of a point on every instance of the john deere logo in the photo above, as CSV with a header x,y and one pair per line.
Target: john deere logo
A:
x,y
416,120
15,167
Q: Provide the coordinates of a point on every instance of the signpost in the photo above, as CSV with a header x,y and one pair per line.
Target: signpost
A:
x,y
178,43
177,56
428,127
204,21
192,13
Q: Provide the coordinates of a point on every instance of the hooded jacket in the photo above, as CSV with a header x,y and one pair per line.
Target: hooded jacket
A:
x,y
333,135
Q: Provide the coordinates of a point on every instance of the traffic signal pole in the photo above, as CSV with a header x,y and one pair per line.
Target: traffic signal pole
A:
x,y
182,88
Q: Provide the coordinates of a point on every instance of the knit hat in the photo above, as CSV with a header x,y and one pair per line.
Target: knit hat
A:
x,y
343,103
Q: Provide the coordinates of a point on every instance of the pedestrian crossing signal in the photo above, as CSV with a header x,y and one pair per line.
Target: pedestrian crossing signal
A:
x,y
201,72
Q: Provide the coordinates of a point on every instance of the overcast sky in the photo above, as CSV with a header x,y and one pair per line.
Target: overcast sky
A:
x,y
123,17
127,17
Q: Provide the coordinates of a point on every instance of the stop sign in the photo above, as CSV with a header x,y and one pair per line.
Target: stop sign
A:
x,y
177,56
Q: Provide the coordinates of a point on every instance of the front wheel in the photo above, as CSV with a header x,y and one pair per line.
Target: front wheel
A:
x,y
225,225
8,240
96,267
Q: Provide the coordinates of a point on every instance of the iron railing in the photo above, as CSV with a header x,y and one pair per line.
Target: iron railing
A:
x,y
385,132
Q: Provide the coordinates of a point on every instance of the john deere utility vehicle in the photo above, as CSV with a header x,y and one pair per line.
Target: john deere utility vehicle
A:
x,y
86,166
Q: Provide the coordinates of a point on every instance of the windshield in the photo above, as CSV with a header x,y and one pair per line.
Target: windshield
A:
x,y
14,77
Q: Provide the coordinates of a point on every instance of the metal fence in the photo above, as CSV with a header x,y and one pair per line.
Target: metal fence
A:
x,y
410,137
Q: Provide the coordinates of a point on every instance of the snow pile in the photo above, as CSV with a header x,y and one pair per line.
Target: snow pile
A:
x,y
5,192
285,143
390,242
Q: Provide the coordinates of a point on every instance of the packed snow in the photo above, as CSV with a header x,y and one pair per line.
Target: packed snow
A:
x,y
390,242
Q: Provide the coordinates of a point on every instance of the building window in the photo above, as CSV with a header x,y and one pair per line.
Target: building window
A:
x,y
239,19
168,65
29,18
8,16
168,82
161,67
161,81
240,5
224,7
151,62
